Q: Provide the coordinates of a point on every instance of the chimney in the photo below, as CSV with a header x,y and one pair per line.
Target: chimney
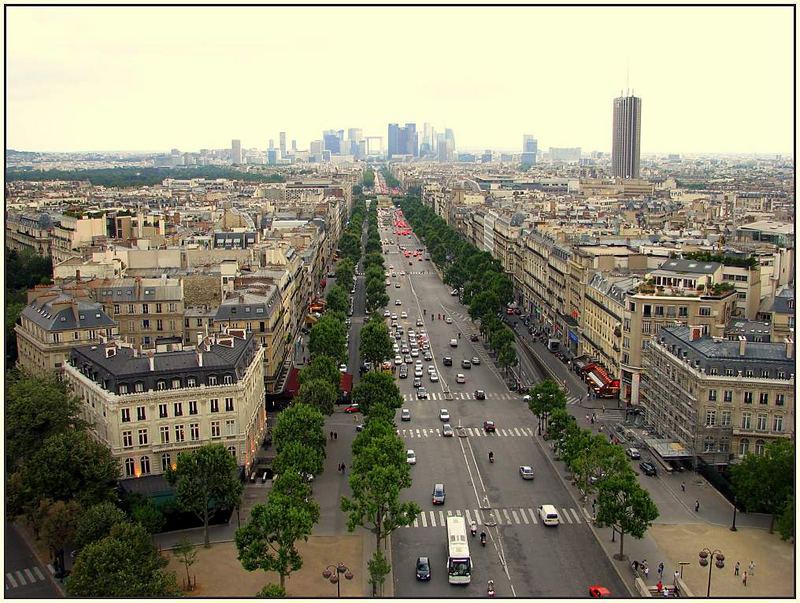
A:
x,y
77,276
199,338
742,344
789,347
151,361
695,333
199,357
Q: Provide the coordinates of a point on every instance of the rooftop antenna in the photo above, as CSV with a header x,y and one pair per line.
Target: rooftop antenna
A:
x,y
627,77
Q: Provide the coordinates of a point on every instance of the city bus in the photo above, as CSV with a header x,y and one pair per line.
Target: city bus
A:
x,y
459,564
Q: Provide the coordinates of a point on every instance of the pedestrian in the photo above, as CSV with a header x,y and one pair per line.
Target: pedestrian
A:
x,y
331,435
592,420
736,569
752,568
339,467
587,418
683,486
659,586
601,429
696,506
646,572
344,469
335,436
594,416
604,410
744,579
660,570
675,578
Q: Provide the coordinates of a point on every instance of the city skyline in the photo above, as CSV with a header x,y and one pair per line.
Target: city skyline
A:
x,y
139,93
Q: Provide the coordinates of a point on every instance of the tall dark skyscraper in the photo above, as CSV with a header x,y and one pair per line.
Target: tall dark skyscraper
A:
x,y
403,141
625,149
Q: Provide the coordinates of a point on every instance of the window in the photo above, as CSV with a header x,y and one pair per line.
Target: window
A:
x,y
713,370
116,308
131,309
141,413
227,379
146,323
647,312
748,397
192,407
744,446
725,418
705,311
161,385
138,387
164,431
130,467
191,382
761,422
144,464
724,444
712,395
159,325
214,429
199,322
659,310
230,427
764,373
746,417
166,462
194,431
711,418
214,404
127,439
727,395
176,383
158,308
626,343
632,306
777,423
162,411
173,307
146,340
145,308
779,399
142,437
126,415
683,311
781,375
759,446
232,451
729,372
123,389
709,444
178,408
228,404
212,379
763,398
179,434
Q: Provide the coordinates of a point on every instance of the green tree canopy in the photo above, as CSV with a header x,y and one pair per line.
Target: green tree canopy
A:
x,y
764,482
345,270
376,344
300,423
96,523
319,394
58,525
625,505
296,456
546,397
328,338
376,388
337,299
321,367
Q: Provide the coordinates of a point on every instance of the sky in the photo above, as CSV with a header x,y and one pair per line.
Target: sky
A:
x,y
711,79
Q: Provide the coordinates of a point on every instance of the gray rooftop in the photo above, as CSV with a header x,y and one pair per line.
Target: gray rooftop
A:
x,y
727,350
53,314
690,266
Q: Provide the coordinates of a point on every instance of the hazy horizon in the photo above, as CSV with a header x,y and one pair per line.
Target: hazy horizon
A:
x,y
197,77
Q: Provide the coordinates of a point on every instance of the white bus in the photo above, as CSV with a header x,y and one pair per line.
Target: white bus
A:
x,y
459,564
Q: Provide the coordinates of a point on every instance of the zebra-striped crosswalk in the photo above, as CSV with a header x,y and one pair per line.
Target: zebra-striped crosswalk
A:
x,y
462,396
519,516
18,578
473,432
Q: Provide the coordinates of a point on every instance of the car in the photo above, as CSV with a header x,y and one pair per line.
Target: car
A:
x,y
460,378
397,285
405,415
444,415
454,292
394,316
404,314
427,355
343,368
418,362
454,343
475,361
414,352
398,359
419,322
403,373
431,369
397,302
473,337
402,273
395,347
488,426
423,570
434,377
352,408
438,494
448,320
447,430
388,282
407,359
648,468
353,290
633,453
526,472
466,364
360,427
549,515
418,371
480,394
411,263
417,382
411,457
331,274
596,591
422,393
447,361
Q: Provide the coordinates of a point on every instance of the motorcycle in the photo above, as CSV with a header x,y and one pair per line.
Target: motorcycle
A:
x,y
491,457
474,529
490,588
483,538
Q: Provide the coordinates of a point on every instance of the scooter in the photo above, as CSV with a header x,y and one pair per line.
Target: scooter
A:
x,y
483,538
474,529
491,457
490,588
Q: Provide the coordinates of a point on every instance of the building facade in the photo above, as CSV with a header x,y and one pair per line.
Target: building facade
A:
x,y
626,137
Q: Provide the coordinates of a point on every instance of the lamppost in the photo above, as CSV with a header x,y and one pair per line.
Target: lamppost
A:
x,y
733,525
704,561
333,575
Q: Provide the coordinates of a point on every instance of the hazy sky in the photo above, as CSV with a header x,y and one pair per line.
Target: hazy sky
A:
x,y
108,78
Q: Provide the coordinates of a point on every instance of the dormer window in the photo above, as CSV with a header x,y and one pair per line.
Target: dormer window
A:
x,y
227,380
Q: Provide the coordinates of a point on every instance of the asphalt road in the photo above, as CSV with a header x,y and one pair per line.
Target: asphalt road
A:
x,y
522,556
25,577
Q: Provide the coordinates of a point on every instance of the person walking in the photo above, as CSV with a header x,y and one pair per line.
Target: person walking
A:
x,y
683,486
331,435
675,577
736,569
696,506
752,568
646,571
661,570
335,436
744,579
659,586
344,469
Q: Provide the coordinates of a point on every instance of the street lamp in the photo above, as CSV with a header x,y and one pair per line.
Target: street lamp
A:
x,y
333,575
733,525
704,561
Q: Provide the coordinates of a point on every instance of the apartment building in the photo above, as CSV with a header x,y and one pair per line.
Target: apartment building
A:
x,y
719,399
74,233
53,323
28,232
149,407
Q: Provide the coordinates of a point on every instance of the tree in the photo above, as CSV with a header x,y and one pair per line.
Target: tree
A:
x,y
272,591
267,541
78,468
205,480
58,527
378,568
319,394
36,408
345,270
376,296
300,423
623,504
764,482
186,553
290,483
507,356
374,259
124,564
328,338
96,523
337,299
296,456
321,367
147,514
376,389
546,397
350,245
483,304
787,519
376,344
595,461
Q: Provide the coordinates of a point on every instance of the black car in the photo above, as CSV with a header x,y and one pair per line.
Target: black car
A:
x,y
447,361
480,394
423,568
647,468
473,337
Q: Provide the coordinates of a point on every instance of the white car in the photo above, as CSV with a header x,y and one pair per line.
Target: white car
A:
x,y
418,363
343,368
398,359
460,378
394,316
414,352
386,314
431,369
395,347
411,457
448,320
397,302
434,377
444,415
418,372
403,314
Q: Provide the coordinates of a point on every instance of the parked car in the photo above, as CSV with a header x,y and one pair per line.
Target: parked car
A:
x,y
454,292
448,320
633,453
480,394
473,337
648,468
526,472
353,408
343,368
411,457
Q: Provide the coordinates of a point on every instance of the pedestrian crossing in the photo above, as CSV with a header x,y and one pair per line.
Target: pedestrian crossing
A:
x,y
573,400
519,516
25,576
473,432
462,396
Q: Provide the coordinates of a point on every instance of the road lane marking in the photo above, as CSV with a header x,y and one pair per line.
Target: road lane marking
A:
x,y
39,573
424,520
566,515
469,431
524,516
30,576
469,517
533,516
433,519
479,432
425,432
416,524
441,519
418,433
517,431
410,433
458,512
530,431
514,515
10,578
478,517
508,517
503,431
575,513
20,578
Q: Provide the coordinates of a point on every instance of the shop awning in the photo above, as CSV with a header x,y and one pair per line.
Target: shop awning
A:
x,y
293,382
600,372
596,380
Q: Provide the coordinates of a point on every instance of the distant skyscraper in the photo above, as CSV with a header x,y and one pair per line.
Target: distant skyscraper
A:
x,y
271,143
403,141
282,143
236,151
294,146
451,139
393,137
273,155
332,140
530,147
412,140
625,147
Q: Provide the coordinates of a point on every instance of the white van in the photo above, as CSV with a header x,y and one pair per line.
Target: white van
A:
x,y
549,515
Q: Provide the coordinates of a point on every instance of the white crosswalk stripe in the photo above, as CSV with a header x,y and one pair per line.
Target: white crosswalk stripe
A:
x,y
512,516
533,515
577,517
441,519
20,578
573,400
38,573
565,513
11,581
433,519
29,575
473,432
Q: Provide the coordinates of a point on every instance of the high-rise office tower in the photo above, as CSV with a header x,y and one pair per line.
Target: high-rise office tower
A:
x,y
412,140
626,136
271,143
332,141
294,146
236,151
282,143
393,138
530,147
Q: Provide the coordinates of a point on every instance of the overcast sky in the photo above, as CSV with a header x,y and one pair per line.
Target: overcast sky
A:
x,y
152,78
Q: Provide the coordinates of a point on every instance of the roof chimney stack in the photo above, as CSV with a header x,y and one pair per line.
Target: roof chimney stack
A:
x,y
789,347
151,361
742,345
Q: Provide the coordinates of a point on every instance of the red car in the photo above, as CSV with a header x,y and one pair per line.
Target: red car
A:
x,y
352,408
598,591
488,426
